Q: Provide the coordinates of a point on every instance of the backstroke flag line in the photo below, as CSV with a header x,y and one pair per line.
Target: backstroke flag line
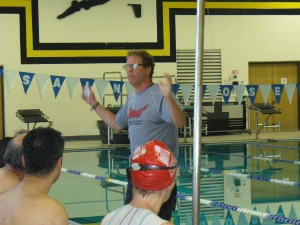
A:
x,y
230,93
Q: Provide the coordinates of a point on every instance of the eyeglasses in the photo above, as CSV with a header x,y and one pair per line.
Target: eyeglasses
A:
x,y
137,166
133,66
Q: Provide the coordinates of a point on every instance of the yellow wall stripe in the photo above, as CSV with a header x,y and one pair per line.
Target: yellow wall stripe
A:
x,y
166,26
252,5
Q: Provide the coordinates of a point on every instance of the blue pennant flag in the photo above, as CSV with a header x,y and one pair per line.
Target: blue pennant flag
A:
x,y
226,91
203,90
203,219
57,82
1,71
117,88
252,90
26,79
229,219
281,214
298,86
255,220
83,81
277,90
175,88
267,221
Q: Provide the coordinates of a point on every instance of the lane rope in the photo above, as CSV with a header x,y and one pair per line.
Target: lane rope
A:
x,y
189,198
95,177
274,146
258,157
247,176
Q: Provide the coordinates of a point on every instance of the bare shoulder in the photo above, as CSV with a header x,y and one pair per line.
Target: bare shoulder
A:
x,y
167,223
48,211
55,210
55,205
10,182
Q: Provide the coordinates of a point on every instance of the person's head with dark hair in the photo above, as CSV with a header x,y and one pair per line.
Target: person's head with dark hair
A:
x,y
147,60
13,170
42,159
3,143
14,151
42,148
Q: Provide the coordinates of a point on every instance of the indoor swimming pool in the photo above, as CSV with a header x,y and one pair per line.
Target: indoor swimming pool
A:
x,y
255,182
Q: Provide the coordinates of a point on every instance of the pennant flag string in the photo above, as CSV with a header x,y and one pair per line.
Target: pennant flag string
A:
x,y
228,92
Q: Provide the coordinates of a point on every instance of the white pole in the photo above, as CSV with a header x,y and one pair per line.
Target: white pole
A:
x,y
198,110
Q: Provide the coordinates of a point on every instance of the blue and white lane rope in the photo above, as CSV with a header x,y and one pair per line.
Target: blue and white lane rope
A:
x,y
247,176
242,210
253,177
274,146
202,201
257,157
95,177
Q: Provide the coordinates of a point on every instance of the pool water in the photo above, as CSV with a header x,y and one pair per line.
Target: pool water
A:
x,y
237,176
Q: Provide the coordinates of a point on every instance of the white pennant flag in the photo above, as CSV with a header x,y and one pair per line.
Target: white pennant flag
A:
x,y
72,84
290,89
101,87
213,90
10,77
265,91
239,92
42,81
186,90
129,88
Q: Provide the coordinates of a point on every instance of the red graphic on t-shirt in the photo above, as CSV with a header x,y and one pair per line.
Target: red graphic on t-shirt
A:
x,y
136,113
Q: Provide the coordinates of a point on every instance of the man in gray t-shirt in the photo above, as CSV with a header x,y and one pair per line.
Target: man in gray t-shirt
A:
x,y
147,116
152,112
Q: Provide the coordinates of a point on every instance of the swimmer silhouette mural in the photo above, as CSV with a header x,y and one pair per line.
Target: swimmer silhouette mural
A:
x,y
76,6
